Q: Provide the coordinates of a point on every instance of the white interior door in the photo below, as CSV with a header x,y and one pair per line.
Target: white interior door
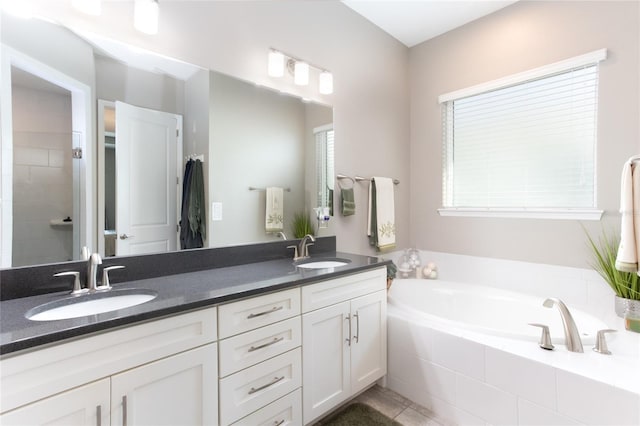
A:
x,y
147,179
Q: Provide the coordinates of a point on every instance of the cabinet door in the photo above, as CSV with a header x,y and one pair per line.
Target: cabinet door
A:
x,y
83,406
178,390
369,339
325,359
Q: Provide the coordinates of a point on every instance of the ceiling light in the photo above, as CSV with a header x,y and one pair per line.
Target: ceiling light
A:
x,y
90,7
301,73
145,16
325,85
276,64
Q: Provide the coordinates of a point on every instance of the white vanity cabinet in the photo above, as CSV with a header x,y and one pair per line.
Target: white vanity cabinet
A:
x,y
260,360
159,371
344,339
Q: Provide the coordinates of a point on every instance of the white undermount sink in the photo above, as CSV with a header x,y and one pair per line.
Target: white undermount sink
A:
x,y
323,263
90,304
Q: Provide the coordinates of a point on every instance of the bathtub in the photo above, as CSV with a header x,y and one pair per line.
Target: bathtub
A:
x,y
467,353
487,310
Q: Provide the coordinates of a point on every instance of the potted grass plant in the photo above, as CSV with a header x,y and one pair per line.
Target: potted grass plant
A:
x,y
626,285
302,225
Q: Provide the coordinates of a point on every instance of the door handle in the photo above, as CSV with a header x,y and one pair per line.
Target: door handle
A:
x,y
124,410
125,236
348,339
357,336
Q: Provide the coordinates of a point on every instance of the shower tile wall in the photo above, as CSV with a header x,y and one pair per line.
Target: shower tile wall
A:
x,y
43,177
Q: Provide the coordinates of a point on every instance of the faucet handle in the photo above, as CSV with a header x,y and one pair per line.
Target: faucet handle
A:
x,y
106,285
545,338
295,252
77,288
601,342
306,249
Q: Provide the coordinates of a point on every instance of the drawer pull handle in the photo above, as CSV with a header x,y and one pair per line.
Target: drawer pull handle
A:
x,y
271,383
278,423
259,314
264,345
99,415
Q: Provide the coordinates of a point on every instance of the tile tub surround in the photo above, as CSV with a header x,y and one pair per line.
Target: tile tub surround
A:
x,y
470,378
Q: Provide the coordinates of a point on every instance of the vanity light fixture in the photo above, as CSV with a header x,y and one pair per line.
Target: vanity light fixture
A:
x,y
301,73
299,69
325,85
145,16
276,64
90,7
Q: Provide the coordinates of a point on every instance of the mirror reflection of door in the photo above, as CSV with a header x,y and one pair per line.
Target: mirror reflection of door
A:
x,y
45,223
141,186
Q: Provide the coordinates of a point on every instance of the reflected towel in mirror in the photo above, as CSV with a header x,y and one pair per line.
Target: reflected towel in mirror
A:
x,y
274,210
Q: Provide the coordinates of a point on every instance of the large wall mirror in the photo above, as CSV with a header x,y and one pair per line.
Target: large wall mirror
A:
x,y
66,138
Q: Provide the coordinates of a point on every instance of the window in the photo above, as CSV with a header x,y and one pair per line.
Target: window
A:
x,y
324,164
524,145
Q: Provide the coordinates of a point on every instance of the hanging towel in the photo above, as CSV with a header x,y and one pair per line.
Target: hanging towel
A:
x,y
185,233
274,211
627,258
197,213
381,218
348,202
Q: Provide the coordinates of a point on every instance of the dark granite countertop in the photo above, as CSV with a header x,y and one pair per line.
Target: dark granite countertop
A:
x,y
176,293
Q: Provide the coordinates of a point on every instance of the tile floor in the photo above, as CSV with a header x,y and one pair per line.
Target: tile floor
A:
x,y
396,407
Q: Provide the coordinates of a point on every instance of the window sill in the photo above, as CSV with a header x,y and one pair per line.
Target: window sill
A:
x,y
523,213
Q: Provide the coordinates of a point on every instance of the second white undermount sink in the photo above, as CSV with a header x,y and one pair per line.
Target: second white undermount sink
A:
x,y
91,304
323,263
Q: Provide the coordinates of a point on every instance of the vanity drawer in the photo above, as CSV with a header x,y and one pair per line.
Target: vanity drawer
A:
x,y
252,347
338,290
248,390
286,411
244,315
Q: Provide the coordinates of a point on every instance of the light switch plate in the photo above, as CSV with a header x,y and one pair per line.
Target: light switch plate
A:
x,y
216,211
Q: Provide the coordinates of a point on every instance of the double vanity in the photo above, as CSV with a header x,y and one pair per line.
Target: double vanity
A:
x,y
263,342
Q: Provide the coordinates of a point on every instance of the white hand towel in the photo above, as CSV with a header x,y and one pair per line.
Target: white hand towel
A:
x,y
627,258
274,216
381,219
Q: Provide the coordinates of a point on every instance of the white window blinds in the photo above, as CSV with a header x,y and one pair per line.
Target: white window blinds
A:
x,y
524,145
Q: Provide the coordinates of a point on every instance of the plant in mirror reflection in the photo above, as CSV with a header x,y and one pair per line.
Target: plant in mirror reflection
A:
x,y
302,225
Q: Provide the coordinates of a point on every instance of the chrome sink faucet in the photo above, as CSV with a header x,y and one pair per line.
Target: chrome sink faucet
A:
x,y
571,334
303,247
301,251
92,271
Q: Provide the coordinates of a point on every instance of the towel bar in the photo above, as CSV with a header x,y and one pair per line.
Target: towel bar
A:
x,y
251,188
341,176
360,179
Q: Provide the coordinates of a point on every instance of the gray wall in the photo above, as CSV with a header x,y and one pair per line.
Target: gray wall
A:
x,y
525,35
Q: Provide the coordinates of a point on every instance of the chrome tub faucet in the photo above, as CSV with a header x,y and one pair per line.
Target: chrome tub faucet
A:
x,y
571,334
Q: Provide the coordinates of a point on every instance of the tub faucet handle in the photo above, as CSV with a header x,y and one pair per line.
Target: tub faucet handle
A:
x,y
545,337
601,342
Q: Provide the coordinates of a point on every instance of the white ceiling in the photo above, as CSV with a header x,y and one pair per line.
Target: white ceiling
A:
x,y
414,21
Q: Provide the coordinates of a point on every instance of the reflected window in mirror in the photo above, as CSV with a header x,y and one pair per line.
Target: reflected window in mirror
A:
x,y
324,164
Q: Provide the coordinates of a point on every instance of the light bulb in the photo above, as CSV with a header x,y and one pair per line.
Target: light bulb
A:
x,y
276,64
325,85
301,74
90,7
145,16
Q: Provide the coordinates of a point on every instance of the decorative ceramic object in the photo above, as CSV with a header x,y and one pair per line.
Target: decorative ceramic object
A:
x,y
622,304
